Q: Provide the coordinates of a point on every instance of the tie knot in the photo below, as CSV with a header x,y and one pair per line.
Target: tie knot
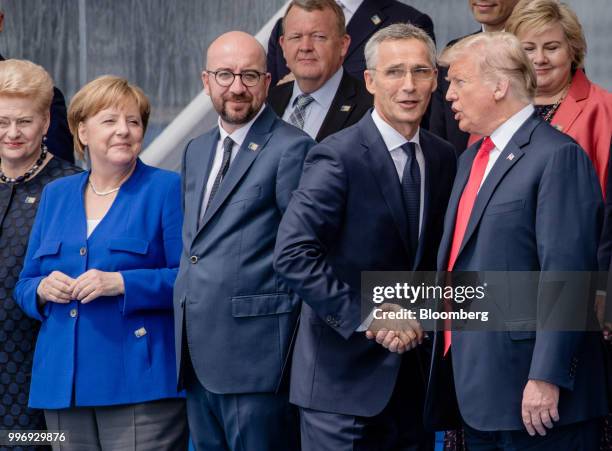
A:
x,y
228,143
409,148
303,100
486,147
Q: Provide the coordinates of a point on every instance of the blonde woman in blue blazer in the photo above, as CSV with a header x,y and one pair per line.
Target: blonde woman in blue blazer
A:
x,y
98,274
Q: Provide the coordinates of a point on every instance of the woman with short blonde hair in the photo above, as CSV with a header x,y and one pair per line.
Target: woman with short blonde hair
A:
x,y
99,273
26,167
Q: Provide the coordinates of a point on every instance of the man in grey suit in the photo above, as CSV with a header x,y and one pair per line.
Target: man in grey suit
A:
x,y
234,318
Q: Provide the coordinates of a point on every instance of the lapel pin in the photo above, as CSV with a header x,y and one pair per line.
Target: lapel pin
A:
x,y
345,108
510,157
30,200
253,146
375,19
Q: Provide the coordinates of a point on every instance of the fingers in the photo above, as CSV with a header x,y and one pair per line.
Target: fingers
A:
x,y
56,287
526,415
88,286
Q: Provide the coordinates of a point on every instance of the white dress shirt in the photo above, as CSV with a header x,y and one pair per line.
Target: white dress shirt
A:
x,y
349,7
502,135
238,136
394,141
315,113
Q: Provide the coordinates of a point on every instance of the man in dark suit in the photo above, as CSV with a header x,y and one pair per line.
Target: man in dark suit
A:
x,y
526,198
365,17
323,99
371,198
234,319
492,16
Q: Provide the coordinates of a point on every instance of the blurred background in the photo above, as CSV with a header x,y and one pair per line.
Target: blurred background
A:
x,y
159,45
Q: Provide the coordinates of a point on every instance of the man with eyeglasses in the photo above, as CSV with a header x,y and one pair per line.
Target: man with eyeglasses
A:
x,y
234,319
372,198
324,98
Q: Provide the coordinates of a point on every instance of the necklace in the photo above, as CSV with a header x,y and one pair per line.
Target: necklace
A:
x,y
29,172
548,116
102,193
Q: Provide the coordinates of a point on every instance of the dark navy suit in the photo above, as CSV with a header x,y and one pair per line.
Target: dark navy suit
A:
x,y
371,16
539,209
231,307
346,217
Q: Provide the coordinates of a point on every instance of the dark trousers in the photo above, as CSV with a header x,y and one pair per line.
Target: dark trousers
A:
x,y
239,422
399,427
149,426
584,436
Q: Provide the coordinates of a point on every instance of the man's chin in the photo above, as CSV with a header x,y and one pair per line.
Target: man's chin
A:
x,y
238,117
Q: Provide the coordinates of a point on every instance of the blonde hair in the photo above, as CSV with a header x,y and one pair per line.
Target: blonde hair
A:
x,y
104,92
22,78
539,14
500,55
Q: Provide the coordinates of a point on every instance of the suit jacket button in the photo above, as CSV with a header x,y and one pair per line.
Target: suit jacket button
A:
x,y
331,320
193,259
83,251
73,313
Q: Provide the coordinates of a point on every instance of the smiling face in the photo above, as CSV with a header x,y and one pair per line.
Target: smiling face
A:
x,y
551,56
312,46
400,98
113,135
492,13
237,104
22,127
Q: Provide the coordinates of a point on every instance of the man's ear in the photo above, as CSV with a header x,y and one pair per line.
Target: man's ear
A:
x,y
368,77
501,89
206,82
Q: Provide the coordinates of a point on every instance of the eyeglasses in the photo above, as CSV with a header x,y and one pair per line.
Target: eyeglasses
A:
x,y
225,78
417,73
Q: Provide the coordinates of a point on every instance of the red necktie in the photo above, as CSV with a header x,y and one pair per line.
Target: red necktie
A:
x,y
464,211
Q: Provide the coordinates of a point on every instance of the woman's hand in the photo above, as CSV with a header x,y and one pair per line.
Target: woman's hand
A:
x,y
94,283
56,287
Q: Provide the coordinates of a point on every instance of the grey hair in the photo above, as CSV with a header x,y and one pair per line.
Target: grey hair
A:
x,y
499,55
397,32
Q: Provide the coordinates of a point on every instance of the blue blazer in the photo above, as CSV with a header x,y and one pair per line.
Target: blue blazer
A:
x,y
119,349
539,209
347,216
237,315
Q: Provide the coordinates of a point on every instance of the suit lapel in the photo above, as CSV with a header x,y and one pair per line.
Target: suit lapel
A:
x,y
340,108
463,173
573,104
368,17
279,97
253,145
202,159
385,174
508,158
432,163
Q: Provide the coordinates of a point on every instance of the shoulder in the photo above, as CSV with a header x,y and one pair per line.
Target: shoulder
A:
x,y
342,143
159,178
286,132
441,146
68,177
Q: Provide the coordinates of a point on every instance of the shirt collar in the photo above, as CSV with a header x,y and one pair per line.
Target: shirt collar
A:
x,y
392,138
324,95
502,134
239,134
